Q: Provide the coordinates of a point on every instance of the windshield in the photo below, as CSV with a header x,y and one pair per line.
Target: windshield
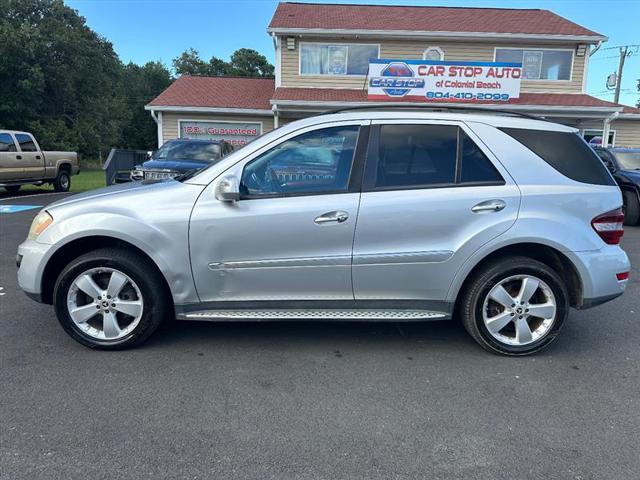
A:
x,y
189,151
628,160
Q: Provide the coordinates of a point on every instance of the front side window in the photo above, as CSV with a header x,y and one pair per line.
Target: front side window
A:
x,y
6,143
339,59
26,142
539,64
312,163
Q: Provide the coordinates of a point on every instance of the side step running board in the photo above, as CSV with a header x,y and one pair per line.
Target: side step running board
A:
x,y
315,314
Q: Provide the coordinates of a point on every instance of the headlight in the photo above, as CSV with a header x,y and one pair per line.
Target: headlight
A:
x,y
39,224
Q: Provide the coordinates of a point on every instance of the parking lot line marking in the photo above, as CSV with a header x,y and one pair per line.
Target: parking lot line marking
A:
x,y
17,208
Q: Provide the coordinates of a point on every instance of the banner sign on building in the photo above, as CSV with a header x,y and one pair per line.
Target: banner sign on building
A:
x,y
236,134
443,81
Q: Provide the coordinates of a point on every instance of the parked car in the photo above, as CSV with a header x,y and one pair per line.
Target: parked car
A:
x,y
22,162
624,165
179,156
400,215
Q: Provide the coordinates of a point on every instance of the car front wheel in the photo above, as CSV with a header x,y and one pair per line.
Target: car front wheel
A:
x,y
110,299
515,306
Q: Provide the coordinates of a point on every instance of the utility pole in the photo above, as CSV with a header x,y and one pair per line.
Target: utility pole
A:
x,y
624,52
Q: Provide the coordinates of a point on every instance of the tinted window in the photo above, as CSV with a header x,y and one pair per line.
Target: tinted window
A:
x,y
474,165
314,162
189,151
6,143
26,142
413,155
566,152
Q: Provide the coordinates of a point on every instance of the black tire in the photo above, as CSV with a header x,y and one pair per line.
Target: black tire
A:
x,y
478,287
12,188
631,208
62,183
157,304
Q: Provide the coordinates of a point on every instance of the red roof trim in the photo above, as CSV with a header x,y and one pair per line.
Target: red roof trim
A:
x,y
423,19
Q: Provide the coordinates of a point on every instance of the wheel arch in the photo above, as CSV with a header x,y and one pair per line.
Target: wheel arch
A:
x,y
79,246
541,252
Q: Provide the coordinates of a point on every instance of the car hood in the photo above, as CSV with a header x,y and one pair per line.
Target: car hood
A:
x,y
123,190
175,165
631,175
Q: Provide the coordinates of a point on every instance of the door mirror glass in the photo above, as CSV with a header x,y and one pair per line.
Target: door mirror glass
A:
x,y
228,189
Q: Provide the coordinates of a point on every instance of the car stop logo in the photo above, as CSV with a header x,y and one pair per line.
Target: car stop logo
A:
x,y
396,80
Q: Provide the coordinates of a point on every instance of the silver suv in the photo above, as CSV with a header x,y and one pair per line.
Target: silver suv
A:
x,y
396,215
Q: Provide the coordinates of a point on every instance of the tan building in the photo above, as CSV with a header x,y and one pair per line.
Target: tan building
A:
x,y
322,59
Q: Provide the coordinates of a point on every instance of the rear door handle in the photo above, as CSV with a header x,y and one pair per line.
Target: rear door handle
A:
x,y
38,157
18,157
489,206
339,216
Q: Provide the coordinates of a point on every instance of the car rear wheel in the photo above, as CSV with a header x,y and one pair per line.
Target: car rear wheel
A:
x,y
110,299
631,208
62,183
515,306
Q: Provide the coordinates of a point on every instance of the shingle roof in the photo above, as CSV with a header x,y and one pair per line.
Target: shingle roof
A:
x,y
344,95
423,19
217,92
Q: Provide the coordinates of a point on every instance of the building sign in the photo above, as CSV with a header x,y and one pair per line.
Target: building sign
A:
x,y
443,81
236,134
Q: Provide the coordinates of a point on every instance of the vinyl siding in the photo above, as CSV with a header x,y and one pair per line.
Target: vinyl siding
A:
x,y
463,51
627,133
170,128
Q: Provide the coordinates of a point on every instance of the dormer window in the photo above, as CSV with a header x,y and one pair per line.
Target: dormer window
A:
x,y
433,53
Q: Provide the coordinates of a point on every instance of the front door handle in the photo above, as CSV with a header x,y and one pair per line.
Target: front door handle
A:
x,y
338,216
489,206
18,157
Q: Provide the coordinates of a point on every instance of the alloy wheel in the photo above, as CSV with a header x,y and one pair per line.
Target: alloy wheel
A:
x,y
105,303
519,310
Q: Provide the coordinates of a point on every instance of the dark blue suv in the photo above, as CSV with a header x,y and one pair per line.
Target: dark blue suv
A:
x,y
624,164
177,157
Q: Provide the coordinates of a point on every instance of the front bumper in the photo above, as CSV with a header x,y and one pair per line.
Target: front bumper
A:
x,y
598,271
33,257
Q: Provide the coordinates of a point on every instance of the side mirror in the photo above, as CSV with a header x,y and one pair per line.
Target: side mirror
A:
x,y
228,189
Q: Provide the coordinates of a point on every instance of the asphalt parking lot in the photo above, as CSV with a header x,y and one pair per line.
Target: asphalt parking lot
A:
x,y
314,400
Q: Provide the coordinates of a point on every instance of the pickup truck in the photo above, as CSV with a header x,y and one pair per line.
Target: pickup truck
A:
x,y
23,163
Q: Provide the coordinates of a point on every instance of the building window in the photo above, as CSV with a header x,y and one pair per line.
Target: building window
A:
x,y
336,59
539,64
594,137
433,53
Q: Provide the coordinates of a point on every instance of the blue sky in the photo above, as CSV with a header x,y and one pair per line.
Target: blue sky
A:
x,y
143,30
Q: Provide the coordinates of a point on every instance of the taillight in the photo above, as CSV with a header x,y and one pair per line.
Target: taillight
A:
x,y
622,276
609,226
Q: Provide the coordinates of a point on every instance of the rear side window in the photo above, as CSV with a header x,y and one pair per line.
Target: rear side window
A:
x,y
566,152
6,143
422,156
26,142
416,155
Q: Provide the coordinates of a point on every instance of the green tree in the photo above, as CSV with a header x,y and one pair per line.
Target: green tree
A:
x,y
141,84
59,79
249,63
244,62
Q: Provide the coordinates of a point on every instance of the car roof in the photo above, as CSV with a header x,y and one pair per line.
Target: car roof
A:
x,y
14,132
624,149
501,120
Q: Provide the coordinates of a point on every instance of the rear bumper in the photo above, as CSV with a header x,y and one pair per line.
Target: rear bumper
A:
x,y
597,270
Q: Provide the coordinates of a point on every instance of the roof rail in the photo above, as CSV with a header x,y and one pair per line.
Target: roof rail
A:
x,y
469,108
